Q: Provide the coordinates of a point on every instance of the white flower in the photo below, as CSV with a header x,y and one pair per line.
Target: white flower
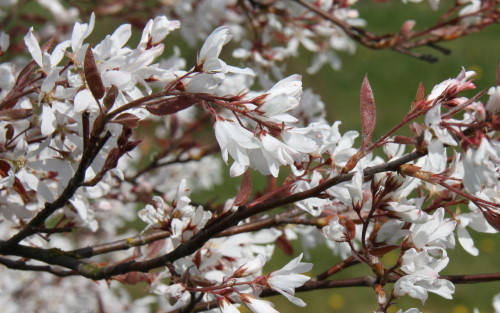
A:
x,y
287,279
418,286
300,35
473,7
156,30
412,310
226,306
480,166
435,131
257,305
476,221
211,49
496,303
313,205
154,215
33,47
434,4
212,69
236,141
493,103
434,232
452,86
391,232
423,269
177,295
274,153
355,188
277,153
48,118
335,231
80,32
319,59
59,11
4,41
282,97
251,267
408,212
421,263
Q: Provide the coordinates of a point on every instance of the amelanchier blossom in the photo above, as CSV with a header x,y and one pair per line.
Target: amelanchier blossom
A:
x,y
288,278
95,134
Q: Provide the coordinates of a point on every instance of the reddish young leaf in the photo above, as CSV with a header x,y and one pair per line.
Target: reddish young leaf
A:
x,y
18,185
197,258
353,161
171,105
48,45
419,96
284,244
493,218
92,75
131,145
405,140
23,77
124,137
368,113
154,248
127,119
4,168
112,159
15,114
133,278
245,189
9,133
109,99
22,81
349,225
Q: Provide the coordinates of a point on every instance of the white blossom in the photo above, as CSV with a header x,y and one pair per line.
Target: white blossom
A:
x,y
4,41
418,287
288,278
257,305
251,267
433,233
227,307
335,231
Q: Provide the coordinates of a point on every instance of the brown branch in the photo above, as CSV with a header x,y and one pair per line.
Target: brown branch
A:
x,y
364,281
404,43
65,259
200,238
21,265
52,230
76,181
472,278
353,32
117,245
350,261
276,220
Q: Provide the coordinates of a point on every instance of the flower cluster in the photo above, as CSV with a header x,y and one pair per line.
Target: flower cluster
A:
x,y
94,136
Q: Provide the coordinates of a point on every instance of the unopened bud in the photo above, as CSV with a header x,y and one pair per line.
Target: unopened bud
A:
x,y
110,98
